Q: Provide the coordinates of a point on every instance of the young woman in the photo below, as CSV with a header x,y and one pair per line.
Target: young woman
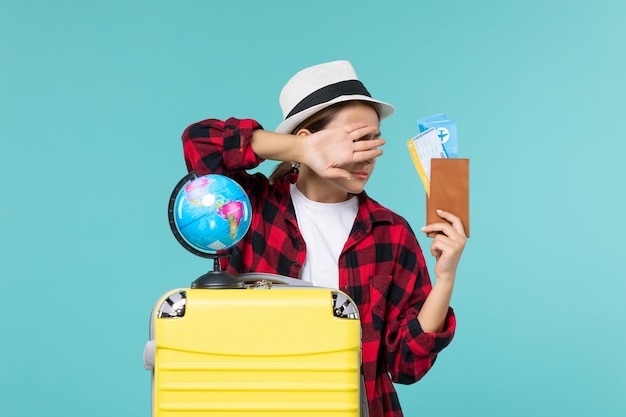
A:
x,y
313,220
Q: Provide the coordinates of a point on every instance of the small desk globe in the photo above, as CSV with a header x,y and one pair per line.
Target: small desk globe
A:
x,y
211,213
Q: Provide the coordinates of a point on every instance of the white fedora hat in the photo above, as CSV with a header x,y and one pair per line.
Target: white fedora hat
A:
x,y
320,86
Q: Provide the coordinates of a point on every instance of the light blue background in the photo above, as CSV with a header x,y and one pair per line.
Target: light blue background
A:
x,y
94,97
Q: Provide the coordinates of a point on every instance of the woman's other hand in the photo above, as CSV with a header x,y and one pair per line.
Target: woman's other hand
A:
x,y
447,246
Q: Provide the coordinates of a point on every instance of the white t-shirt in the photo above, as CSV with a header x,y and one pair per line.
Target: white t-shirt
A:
x,y
325,228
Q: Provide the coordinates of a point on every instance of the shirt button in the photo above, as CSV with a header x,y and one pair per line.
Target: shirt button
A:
x,y
296,263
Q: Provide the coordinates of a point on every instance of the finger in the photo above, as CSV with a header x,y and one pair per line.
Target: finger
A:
x,y
456,222
434,249
445,249
436,227
442,227
442,246
367,144
366,155
361,130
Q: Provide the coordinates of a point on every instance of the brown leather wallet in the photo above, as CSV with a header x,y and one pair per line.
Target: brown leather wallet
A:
x,y
449,190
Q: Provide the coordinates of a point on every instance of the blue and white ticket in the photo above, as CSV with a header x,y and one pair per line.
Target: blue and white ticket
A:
x,y
446,130
423,148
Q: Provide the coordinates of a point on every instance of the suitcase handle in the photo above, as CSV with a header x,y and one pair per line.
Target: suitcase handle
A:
x,y
252,277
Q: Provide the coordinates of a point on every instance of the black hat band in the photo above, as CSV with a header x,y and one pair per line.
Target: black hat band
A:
x,y
328,93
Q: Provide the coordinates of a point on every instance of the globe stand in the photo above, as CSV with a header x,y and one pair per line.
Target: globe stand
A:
x,y
218,279
215,279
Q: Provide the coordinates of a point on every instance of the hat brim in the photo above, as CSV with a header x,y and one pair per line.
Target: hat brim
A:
x,y
289,124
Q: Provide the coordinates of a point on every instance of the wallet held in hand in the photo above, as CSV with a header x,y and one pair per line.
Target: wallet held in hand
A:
x,y
449,190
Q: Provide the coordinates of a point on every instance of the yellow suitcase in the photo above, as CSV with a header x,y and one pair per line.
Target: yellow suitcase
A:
x,y
268,349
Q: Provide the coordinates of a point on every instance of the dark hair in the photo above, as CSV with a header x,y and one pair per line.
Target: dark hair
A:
x,y
315,123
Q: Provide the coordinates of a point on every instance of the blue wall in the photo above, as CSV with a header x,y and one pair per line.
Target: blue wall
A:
x,y
94,97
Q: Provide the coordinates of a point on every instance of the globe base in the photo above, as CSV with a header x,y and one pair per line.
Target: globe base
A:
x,y
218,280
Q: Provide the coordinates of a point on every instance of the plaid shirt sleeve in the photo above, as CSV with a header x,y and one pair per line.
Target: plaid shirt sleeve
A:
x,y
412,351
214,147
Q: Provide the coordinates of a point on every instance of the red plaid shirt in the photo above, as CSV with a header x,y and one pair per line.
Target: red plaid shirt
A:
x,y
381,267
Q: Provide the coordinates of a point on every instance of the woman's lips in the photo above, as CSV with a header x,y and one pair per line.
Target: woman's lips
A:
x,y
360,174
